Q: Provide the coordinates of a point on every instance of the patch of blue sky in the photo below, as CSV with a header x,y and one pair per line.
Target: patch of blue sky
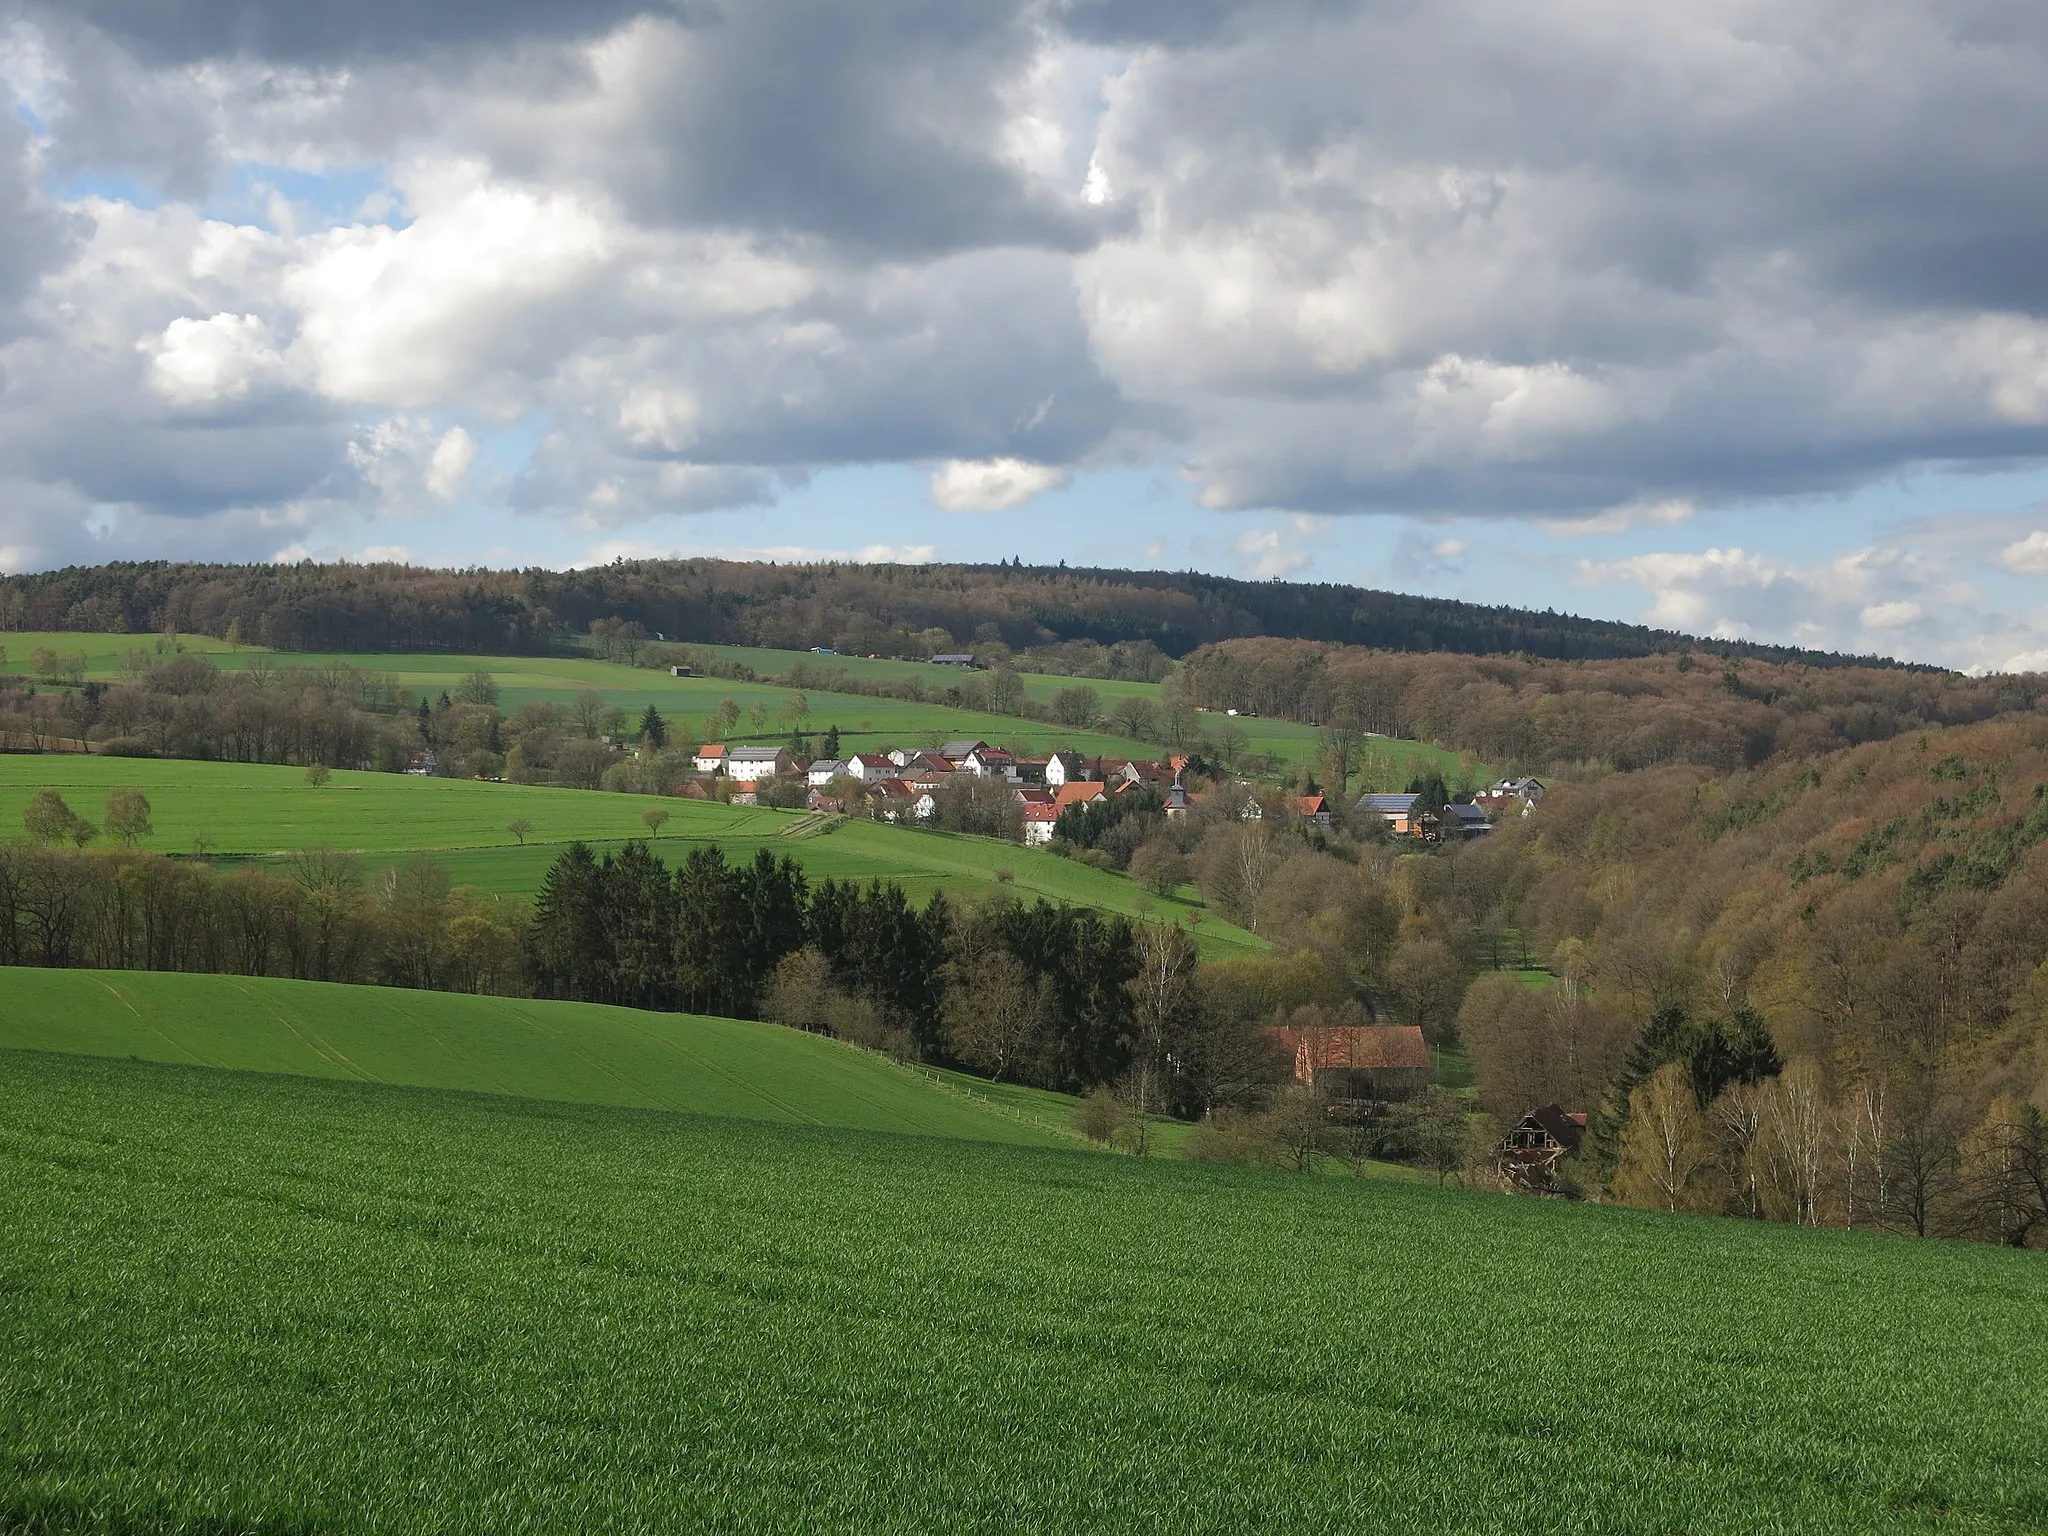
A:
x,y
318,199
114,188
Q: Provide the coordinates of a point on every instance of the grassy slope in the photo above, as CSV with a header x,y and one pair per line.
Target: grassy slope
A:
x,y
578,1052
240,1303
862,721
256,809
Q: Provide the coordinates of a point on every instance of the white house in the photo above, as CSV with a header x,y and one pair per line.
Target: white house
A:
x,y
823,772
1038,823
987,763
1065,768
869,767
750,764
710,757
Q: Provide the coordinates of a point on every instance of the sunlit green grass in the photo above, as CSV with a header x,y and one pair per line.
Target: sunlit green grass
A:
x,y
581,1052
248,809
235,1303
690,702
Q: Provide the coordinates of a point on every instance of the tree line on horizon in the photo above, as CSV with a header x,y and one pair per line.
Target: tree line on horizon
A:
x,y
853,608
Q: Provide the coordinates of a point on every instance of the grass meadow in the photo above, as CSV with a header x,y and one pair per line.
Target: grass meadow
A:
x,y
244,1303
256,810
862,721
576,1052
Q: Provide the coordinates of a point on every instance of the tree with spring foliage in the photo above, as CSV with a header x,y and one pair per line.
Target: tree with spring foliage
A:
x,y
127,817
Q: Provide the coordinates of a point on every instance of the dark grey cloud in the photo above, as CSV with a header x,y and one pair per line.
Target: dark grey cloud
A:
x,y
327,32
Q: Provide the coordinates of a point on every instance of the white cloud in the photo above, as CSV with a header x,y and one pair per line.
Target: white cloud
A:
x,y
1263,553
1637,514
992,485
1892,615
207,362
788,554
448,468
2027,556
409,465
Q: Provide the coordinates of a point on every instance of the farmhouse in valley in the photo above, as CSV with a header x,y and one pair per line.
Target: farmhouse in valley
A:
x,y
1367,1063
1529,1155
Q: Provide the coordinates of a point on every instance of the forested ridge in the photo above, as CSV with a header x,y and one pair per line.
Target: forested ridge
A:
x,y
1547,716
855,608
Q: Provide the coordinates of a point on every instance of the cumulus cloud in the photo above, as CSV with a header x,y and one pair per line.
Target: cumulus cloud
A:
x,y
991,485
2027,556
1331,256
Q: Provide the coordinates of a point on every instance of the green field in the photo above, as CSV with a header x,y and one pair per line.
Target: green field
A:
x,y
578,1052
689,702
248,809
233,1303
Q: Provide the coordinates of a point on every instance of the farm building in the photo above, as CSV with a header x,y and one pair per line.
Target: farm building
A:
x,y
710,757
1369,1062
1528,1156
953,659
958,751
747,765
681,672
1315,810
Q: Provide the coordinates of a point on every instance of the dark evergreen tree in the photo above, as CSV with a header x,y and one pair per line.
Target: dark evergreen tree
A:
x,y
831,747
566,949
653,728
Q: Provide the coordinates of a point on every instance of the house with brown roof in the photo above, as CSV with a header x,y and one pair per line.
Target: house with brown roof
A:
x,y
1077,794
1363,1063
1315,810
1039,820
710,757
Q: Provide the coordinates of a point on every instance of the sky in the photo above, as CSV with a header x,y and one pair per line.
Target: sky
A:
x,y
1724,315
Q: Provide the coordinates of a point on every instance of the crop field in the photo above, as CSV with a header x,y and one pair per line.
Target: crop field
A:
x,y
250,809
580,1052
238,1303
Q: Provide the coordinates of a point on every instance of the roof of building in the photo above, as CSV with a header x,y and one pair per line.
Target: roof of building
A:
x,y
1069,758
1311,805
1363,1047
958,749
1035,796
711,749
1565,1128
955,658
831,765
756,754
1388,805
1033,811
1079,794
896,789
1465,813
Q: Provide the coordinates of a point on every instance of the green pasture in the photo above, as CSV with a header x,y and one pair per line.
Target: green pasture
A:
x,y
103,653
232,1302
582,1052
688,703
256,810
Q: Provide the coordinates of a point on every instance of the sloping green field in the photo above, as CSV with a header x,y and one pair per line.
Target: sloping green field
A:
x,y
862,721
576,1052
232,1303
255,809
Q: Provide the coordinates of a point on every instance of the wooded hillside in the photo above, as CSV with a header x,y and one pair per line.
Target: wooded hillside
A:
x,y
855,608
1540,716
